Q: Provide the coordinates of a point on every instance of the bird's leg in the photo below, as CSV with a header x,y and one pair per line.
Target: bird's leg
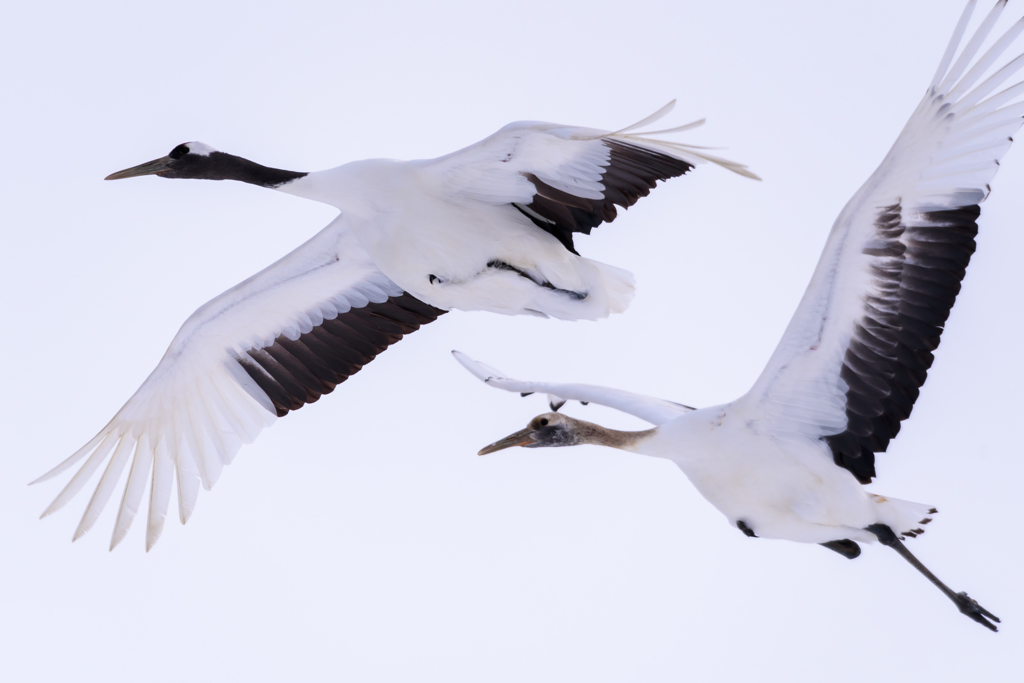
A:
x,y
847,548
742,526
965,604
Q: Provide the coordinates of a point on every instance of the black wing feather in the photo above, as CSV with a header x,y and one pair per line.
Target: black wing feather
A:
x,y
632,173
294,372
890,353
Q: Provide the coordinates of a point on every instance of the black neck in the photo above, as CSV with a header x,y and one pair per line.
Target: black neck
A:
x,y
221,166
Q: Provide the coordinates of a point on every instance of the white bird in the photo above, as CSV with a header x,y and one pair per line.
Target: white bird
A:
x,y
486,228
789,459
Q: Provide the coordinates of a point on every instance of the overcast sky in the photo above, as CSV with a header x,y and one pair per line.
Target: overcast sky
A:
x,y
361,538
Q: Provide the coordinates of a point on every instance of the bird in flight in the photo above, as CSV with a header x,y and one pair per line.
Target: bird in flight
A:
x,y
788,460
487,228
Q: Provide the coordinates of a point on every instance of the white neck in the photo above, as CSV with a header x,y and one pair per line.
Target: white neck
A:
x,y
360,187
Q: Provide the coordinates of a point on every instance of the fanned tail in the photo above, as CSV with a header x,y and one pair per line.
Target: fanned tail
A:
x,y
902,516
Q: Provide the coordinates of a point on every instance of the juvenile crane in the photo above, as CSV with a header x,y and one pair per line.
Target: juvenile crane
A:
x,y
487,228
789,459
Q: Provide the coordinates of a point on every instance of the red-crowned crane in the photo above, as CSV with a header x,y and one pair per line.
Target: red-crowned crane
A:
x,y
487,228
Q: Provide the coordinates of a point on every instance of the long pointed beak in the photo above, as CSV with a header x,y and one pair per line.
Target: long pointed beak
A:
x,y
149,168
524,437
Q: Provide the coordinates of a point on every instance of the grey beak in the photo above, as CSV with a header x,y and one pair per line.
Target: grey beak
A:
x,y
524,437
149,168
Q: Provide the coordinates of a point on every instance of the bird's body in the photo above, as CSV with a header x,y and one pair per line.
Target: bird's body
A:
x,y
788,460
489,228
781,488
436,244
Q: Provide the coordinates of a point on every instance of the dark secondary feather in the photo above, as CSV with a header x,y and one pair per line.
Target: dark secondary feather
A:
x,y
919,271
296,372
632,173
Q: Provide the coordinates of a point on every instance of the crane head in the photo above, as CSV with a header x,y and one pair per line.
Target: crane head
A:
x,y
547,430
202,162
187,160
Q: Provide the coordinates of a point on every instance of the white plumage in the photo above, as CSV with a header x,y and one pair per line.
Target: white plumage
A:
x,y
486,228
788,459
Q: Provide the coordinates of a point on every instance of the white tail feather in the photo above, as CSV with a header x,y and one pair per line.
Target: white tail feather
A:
x,y
902,516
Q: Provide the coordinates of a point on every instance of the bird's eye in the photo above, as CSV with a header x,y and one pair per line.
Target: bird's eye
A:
x,y
544,422
179,151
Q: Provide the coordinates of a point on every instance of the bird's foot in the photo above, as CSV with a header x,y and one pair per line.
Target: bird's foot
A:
x,y
742,526
972,609
847,548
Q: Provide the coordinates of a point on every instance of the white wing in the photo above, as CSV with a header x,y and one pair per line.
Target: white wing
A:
x,y
279,340
568,179
851,363
653,410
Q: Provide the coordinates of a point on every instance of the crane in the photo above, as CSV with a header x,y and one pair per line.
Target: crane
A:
x,y
790,458
486,228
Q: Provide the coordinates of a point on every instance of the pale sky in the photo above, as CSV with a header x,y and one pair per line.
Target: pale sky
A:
x,y
361,538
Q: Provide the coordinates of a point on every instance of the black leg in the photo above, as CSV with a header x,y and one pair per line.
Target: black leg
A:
x,y
964,603
845,547
742,526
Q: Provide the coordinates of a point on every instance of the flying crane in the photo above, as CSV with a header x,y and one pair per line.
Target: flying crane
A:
x,y
788,460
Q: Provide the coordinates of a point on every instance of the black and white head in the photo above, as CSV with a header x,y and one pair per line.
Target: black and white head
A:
x,y
199,161
544,431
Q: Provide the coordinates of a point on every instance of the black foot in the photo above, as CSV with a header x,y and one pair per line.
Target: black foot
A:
x,y
845,547
972,609
742,526
965,604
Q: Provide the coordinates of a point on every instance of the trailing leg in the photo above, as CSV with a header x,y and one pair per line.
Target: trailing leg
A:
x,y
964,603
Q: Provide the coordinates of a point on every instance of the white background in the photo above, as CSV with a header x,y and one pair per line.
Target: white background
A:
x,y
361,538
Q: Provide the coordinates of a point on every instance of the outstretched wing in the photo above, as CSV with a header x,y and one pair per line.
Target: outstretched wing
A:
x,y
271,344
568,179
653,410
851,363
